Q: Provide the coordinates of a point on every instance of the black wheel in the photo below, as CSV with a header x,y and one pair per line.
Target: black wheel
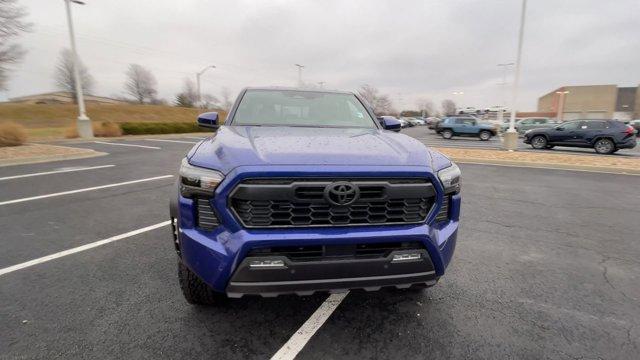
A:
x,y
195,291
604,146
485,135
447,134
539,142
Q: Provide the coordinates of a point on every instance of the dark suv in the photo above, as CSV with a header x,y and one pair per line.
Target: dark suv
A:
x,y
605,136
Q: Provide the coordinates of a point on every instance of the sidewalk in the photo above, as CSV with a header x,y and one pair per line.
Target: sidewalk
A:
x,y
35,153
546,159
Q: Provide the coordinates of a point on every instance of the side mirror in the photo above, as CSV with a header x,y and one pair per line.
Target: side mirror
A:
x,y
391,124
208,120
559,128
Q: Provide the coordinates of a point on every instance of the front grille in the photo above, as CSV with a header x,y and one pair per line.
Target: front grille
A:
x,y
443,214
336,252
205,217
283,203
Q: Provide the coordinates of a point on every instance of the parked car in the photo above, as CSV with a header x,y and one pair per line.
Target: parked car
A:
x,y
465,126
636,125
605,136
416,121
495,108
468,110
296,202
525,124
404,123
410,121
432,122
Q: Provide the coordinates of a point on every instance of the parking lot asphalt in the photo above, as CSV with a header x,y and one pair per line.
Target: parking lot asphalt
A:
x,y
546,266
429,137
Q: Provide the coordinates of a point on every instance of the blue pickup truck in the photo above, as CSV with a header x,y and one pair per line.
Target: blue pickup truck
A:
x,y
465,126
301,191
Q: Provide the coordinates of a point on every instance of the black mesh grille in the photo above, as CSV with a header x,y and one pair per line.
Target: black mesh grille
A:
x,y
443,214
205,217
302,203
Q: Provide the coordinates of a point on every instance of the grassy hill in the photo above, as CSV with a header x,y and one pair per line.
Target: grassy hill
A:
x,y
52,121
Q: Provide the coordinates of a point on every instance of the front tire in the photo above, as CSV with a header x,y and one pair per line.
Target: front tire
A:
x,y
447,134
604,146
195,290
539,142
485,135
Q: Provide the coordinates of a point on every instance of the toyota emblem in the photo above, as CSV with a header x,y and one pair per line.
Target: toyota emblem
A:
x,y
341,193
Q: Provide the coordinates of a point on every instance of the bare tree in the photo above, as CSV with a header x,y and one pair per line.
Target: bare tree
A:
x,y
226,99
381,104
189,95
11,25
448,107
209,101
141,83
189,90
65,78
426,107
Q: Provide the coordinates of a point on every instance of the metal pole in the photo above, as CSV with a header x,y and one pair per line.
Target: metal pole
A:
x,y
511,137
299,74
198,74
503,86
516,79
83,123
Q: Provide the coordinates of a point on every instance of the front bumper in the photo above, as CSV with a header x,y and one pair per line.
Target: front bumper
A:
x,y
304,278
220,257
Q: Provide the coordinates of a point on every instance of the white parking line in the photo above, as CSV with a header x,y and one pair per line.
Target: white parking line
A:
x,y
297,342
133,145
83,190
173,141
193,137
81,248
55,172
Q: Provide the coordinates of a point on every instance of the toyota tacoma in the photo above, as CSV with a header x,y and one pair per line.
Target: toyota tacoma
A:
x,y
300,191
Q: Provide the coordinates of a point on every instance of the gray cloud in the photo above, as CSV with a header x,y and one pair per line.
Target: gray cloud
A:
x,y
409,49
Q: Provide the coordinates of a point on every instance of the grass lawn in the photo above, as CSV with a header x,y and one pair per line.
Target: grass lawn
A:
x,y
52,120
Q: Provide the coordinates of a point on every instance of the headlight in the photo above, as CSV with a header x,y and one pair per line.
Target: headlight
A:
x,y
198,181
450,178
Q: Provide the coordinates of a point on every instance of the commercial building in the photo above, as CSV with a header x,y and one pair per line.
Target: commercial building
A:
x,y
592,102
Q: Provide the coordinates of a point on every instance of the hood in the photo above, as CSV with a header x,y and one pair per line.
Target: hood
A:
x,y
234,146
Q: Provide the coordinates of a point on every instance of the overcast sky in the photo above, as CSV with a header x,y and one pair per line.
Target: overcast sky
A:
x,y
408,49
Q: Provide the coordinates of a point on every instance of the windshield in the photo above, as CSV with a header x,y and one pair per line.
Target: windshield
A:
x,y
301,108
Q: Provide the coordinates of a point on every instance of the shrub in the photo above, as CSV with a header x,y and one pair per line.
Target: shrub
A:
x,y
106,129
12,134
144,128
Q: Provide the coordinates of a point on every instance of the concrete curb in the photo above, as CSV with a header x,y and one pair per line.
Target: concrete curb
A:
x,y
50,158
123,137
567,167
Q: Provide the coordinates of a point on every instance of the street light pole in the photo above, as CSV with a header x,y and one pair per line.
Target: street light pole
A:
x,y
560,112
299,74
198,74
460,93
83,123
511,137
503,84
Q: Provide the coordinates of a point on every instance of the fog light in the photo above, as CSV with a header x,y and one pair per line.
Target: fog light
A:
x,y
266,263
405,257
